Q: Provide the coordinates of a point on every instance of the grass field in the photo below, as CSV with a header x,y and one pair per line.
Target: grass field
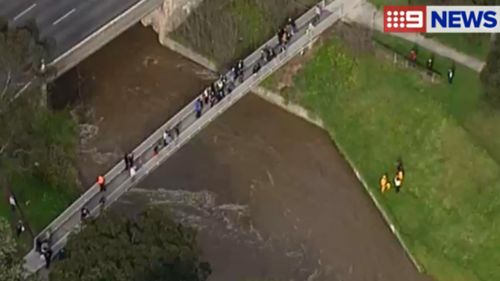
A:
x,y
228,30
476,45
377,112
41,202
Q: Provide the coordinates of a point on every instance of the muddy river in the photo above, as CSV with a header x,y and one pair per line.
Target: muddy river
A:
x,y
271,196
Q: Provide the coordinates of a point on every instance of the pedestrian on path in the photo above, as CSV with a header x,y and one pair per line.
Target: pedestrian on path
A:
x,y
430,65
310,29
20,228
132,172
156,149
48,258
412,57
177,129
12,203
451,74
102,201
317,14
167,138
292,26
125,159
101,181
198,108
131,160
84,213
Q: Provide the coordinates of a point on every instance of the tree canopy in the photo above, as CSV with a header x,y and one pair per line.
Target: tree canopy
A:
x,y
150,247
490,75
10,264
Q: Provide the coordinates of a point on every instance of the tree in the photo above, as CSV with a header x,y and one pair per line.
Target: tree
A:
x,y
150,247
10,264
490,75
33,140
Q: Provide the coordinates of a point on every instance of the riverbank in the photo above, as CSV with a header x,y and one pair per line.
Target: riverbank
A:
x,y
273,199
376,122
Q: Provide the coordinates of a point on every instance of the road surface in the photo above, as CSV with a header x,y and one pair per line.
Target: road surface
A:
x,y
62,23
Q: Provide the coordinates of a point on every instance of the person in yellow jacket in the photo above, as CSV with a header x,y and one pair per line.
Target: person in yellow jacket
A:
x,y
385,185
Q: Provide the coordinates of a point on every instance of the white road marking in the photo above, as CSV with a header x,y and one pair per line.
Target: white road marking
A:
x,y
64,16
25,11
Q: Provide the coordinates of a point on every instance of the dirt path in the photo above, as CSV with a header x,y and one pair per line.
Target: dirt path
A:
x,y
129,88
302,201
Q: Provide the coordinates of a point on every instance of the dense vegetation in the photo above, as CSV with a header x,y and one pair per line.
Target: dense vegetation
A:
x,y
10,264
151,247
227,30
37,145
490,75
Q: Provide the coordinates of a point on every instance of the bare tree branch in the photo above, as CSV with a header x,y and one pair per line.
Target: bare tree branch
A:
x,y
7,84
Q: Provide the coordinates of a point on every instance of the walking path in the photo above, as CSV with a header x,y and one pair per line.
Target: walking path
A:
x,y
368,15
118,179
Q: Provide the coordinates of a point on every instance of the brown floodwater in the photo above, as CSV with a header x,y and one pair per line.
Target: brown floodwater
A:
x,y
269,193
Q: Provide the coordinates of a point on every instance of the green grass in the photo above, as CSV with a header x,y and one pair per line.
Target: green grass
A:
x,y
376,113
476,45
44,192
464,103
40,204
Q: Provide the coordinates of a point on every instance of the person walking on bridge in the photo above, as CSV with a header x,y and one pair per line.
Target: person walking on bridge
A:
x,y
84,213
198,107
101,181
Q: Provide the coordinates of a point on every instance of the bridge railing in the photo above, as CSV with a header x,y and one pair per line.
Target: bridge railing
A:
x,y
334,12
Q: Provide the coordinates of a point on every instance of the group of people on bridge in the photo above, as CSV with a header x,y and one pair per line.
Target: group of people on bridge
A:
x,y
212,95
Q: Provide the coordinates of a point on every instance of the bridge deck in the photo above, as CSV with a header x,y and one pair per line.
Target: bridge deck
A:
x,y
119,181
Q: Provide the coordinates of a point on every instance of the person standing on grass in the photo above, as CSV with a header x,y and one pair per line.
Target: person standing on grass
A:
x,y
451,74
101,181
12,203
20,228
412,57
430,65
398,179
385,185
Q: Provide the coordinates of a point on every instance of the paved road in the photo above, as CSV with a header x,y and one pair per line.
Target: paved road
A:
x,y
367,14
62,23
188,124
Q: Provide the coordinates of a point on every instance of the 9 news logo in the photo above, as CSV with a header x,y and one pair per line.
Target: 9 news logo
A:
x,y
442,19
404,18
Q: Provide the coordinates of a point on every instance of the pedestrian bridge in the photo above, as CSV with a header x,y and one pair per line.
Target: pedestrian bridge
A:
x,y
119,180
74,29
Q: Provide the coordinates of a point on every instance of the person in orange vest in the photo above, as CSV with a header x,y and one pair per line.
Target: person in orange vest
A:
x,y
102,183
398,179
385,185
